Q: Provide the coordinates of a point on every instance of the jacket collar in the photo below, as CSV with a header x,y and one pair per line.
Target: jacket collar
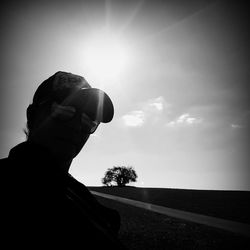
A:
x,y
31,154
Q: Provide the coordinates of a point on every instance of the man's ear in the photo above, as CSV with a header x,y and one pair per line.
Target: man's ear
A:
x,y
31,114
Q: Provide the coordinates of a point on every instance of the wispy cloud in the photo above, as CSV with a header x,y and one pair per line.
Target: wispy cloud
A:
x,y
149,111
236,126
158,103
243,121
184,120
157,111
134,118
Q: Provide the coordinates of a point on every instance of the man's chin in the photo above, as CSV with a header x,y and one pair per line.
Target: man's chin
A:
x,y
61,148
64,151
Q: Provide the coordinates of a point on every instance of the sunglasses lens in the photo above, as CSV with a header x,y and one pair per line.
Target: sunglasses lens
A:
x,y
61,112
93,129
66,113
89,124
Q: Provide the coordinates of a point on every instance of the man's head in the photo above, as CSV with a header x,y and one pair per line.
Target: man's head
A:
x,y
64,112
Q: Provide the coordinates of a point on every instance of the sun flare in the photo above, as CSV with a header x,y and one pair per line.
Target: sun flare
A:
x,y
105,56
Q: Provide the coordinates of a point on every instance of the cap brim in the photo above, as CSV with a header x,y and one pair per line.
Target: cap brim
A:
x,y
94,102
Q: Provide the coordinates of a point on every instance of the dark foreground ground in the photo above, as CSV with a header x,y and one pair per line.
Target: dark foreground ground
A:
x,y
231,205
143,229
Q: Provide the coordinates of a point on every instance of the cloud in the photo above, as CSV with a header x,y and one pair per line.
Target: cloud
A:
x,y
134,118
157,103
243,121
184,120
149,112
157,111
236,126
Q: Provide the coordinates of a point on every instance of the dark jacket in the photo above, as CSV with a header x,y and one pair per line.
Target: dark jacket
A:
x,y
43,207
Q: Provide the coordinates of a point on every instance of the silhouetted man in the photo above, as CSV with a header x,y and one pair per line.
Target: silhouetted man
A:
x,y
42,204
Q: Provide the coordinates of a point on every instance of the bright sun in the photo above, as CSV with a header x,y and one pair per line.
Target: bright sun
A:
x,y
105,56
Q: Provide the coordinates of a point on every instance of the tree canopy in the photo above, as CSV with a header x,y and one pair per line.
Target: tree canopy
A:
x,y
120,175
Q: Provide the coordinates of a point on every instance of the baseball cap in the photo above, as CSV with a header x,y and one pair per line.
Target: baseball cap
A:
x,y
69,89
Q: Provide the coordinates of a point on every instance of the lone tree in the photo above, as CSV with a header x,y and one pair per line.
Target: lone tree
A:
x,y
119,175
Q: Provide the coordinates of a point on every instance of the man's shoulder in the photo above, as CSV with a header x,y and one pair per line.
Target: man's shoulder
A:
x,y
73,181
4,165
77,186
4,162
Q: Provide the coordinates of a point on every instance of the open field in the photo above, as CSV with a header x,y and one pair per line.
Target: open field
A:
x,y
143,229
231,205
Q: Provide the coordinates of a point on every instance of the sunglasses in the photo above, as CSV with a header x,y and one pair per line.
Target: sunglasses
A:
x,y
67,112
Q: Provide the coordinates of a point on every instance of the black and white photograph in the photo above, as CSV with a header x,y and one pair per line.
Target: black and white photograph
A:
x,y
125,124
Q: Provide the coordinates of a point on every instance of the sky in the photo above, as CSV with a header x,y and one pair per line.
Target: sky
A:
x,y
176,71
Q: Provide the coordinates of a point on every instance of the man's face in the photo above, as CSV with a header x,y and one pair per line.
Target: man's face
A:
x,y
64,138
